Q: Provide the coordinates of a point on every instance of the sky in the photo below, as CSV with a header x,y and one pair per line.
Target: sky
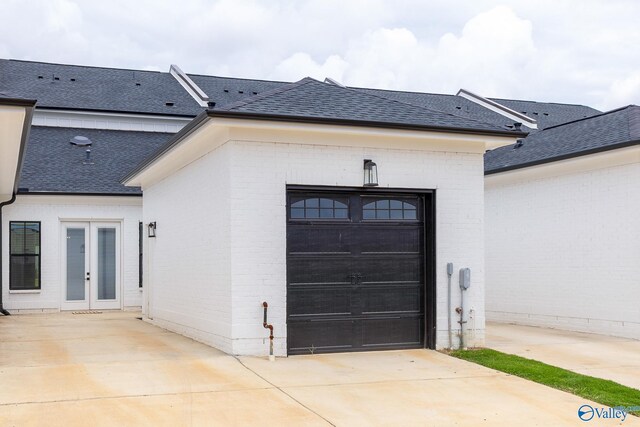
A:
x,y
571,51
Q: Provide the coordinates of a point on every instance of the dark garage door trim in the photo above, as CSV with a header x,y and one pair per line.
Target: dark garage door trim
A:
x,y
428,198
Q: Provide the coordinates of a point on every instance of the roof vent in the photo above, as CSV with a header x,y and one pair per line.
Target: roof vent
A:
x,y
169,104
137,84
72,79
80,141
334,82
519,143
211,104
56,78
226,91
40,77
87,159
517,126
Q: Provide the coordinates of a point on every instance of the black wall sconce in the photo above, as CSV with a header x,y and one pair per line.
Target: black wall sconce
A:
x,y
370,173
151,228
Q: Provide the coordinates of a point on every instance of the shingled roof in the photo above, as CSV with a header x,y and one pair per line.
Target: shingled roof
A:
x,y
545,113
607,131
226,90
53,165
309,99
76,87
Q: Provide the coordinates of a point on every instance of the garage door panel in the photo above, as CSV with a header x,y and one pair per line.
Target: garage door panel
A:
x,y
391,299
389,269
314,301
391,239
315,270
305,239
392,332
321,336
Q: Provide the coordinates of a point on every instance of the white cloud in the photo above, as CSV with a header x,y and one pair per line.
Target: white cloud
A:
x,y
624,91
487,56
569,51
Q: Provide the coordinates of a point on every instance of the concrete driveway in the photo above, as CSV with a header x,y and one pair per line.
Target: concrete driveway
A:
x,y
612,358
112,369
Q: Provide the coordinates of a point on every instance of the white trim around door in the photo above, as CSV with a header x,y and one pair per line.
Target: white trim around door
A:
x,y
91,265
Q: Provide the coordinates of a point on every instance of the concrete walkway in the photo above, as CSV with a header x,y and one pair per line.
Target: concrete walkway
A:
x,y
613,358
111,369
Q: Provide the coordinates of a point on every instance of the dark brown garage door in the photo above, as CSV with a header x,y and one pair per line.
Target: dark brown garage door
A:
x,y
355,271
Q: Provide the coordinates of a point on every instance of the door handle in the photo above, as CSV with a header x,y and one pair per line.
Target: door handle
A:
x,y
356,279
88,276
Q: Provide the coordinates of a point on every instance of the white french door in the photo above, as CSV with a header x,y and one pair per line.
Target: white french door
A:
x,y
91,265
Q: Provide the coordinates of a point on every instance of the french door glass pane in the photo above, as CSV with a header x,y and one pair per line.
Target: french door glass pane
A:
x,y
106,263
75,264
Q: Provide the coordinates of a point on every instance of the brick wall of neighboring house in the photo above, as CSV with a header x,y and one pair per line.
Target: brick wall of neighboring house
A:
x,y
221,245
51,211
563,247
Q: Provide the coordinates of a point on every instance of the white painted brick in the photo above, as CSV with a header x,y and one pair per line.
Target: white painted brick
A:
x,y
563,251
221,245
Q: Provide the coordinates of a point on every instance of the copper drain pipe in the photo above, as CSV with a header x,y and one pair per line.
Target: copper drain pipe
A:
x,y
270,328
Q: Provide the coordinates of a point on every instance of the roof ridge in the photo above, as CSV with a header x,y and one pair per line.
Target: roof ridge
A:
x,y
253,98
429,109
400,91
541,102
590,117
238,78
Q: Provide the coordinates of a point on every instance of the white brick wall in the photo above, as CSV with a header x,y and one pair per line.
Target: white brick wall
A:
x,y
564,251
50,210
189,262
221,242
259,175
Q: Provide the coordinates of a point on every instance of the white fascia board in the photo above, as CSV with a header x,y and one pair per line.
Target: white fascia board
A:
x,y
189,85
215,132
12,126
109,120
499,108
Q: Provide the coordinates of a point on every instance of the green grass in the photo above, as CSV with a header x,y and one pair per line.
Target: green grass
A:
x,y
605,392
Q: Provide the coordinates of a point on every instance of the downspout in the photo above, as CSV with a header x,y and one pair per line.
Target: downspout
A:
x,y
2,205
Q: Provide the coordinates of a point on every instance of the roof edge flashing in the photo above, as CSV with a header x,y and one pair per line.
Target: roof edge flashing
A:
x,y
334,82
189,85
498,108
361,123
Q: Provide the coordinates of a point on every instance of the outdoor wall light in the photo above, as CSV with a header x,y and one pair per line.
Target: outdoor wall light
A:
x,y
151,228
370,173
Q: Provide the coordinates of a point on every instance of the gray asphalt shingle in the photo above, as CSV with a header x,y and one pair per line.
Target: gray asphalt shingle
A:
x,y
310,98
53,164
225,90
94,88
54,167
545,113
604,131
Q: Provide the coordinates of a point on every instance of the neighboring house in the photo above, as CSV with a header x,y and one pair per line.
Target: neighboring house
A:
x,y
259,196
562,228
